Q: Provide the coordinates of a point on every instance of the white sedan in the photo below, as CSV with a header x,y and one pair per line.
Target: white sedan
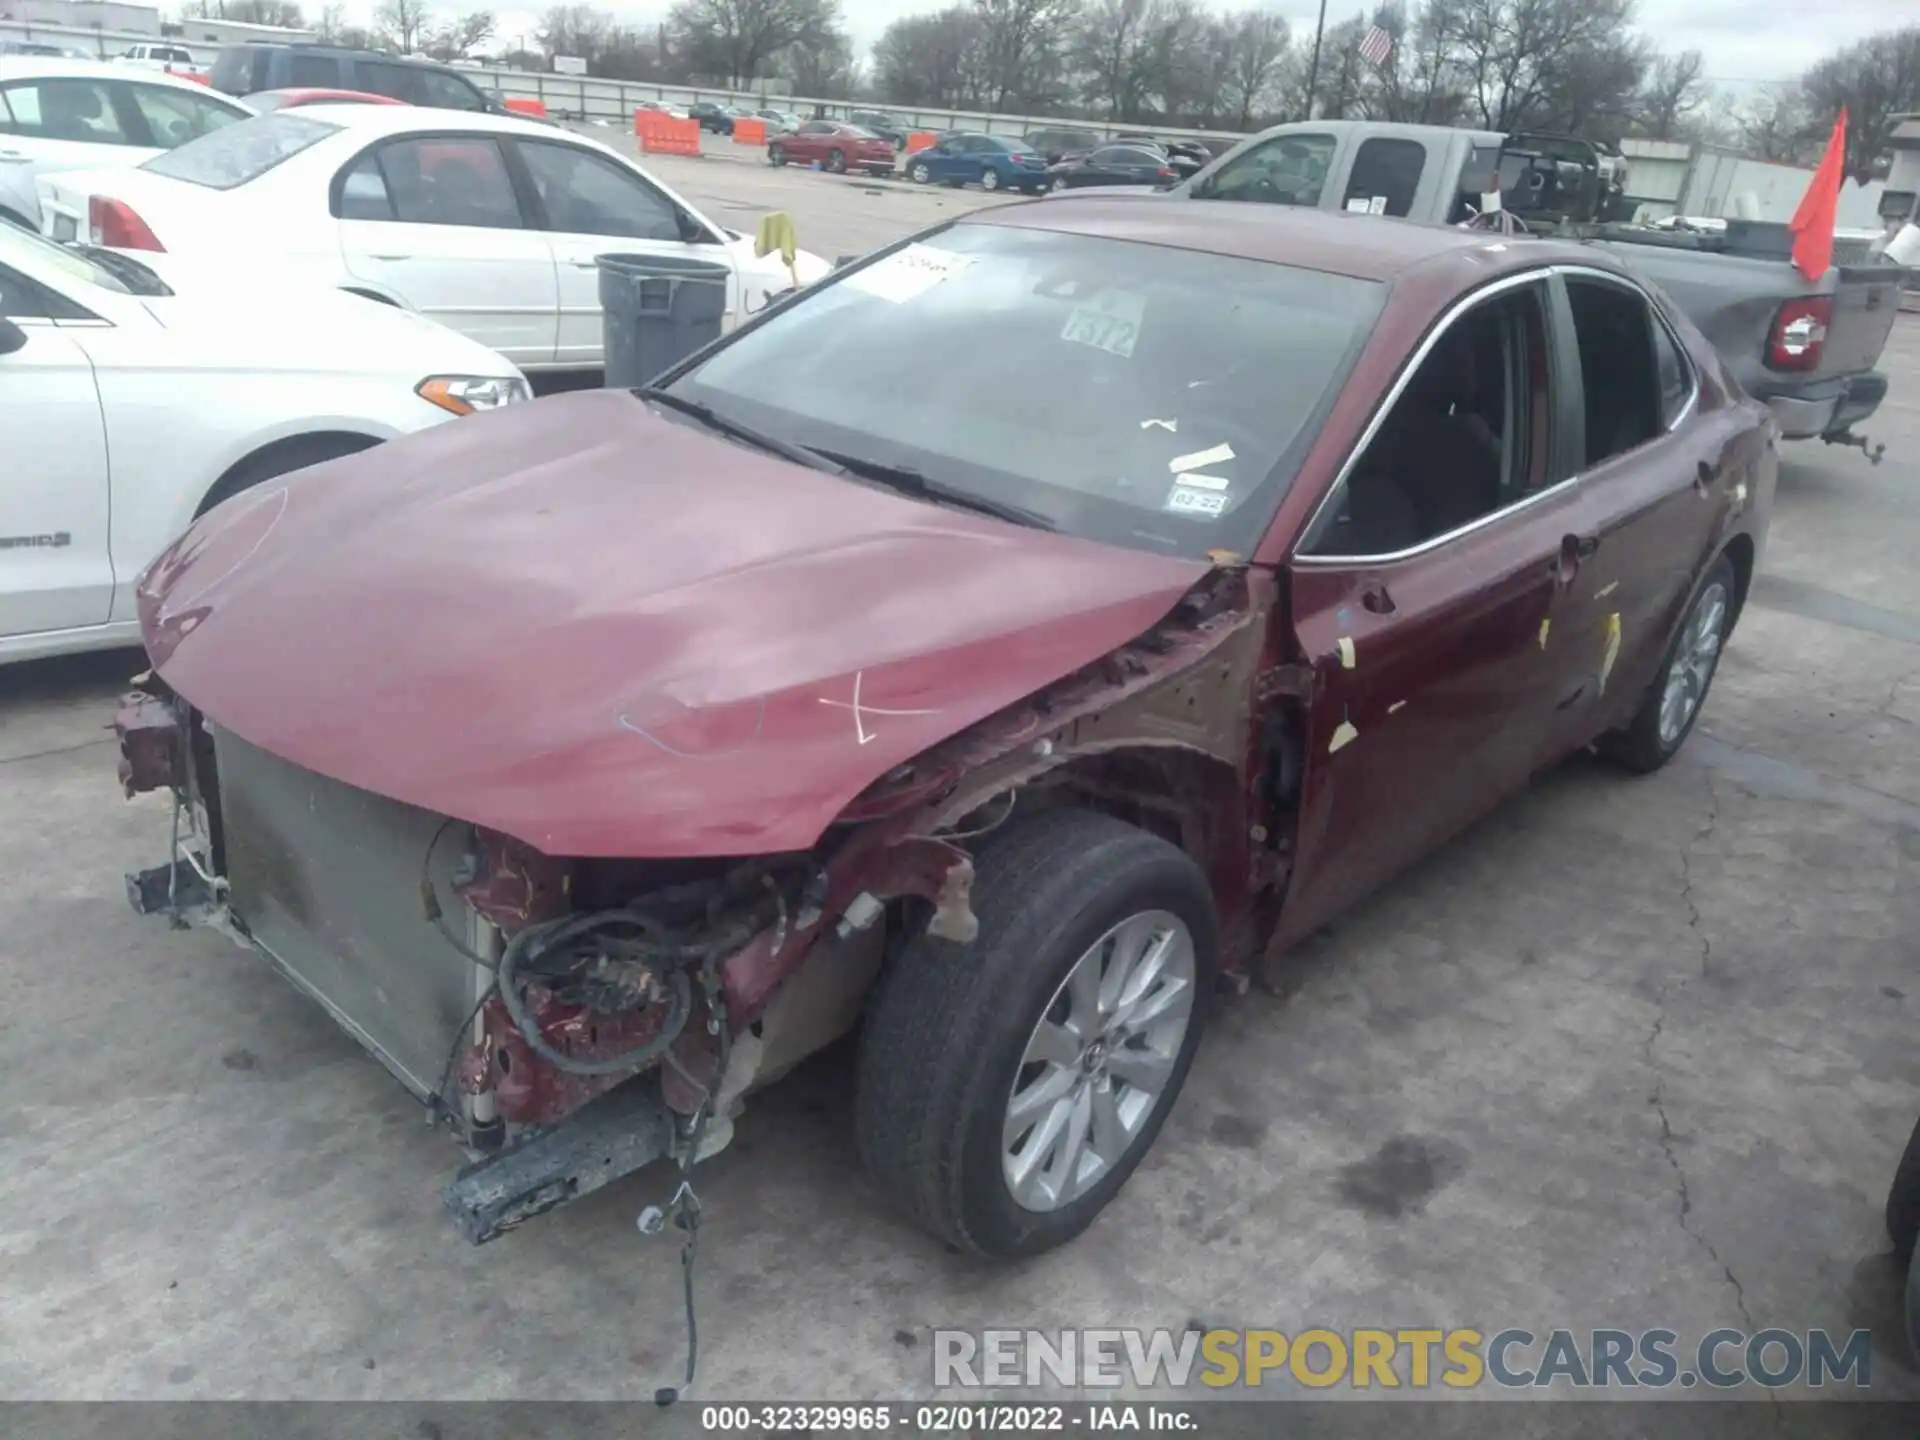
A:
x,y
489,224
61,114
136,394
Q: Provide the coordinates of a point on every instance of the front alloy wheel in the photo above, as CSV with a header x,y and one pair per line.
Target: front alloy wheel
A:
x,y
990,180
1098,1061
1007,1088
921,175
1059,182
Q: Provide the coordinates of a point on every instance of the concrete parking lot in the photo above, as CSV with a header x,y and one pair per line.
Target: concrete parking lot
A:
x,y
1632,1052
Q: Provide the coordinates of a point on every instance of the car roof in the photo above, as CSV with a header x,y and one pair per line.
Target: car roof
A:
x,y
398,119
1365,247
60,67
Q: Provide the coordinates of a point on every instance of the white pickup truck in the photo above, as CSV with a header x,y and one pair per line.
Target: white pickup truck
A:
x,y
1806,347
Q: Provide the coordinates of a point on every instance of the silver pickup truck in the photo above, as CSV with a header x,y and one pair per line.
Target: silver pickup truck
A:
x,y
1806,347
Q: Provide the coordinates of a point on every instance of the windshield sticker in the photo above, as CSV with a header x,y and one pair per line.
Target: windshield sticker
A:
x,y
1109,320
1205,482
1200,459
909,272
1185,500
1357,205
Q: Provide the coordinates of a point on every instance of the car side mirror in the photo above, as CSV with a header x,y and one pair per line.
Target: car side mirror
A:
x,y
692,232
12,337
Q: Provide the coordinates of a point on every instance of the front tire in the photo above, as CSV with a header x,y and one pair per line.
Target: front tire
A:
x,y
990,180
837,161
1673,702
920,174
1903,1200
777,154
1008,1088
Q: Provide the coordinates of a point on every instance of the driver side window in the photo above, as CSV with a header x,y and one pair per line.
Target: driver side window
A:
x,y
1466,437
1287,170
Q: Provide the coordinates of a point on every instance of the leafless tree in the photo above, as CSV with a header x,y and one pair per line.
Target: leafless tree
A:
x,y
1674,90
734,40
1875,80
402,23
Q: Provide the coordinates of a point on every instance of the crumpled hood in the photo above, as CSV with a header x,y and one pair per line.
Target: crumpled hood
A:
x,y
606,632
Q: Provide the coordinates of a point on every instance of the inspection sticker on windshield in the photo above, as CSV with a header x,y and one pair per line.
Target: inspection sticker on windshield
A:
x,y
909,272
1108,320
1187,500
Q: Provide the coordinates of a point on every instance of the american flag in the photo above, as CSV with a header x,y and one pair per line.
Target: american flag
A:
x,y
1375,46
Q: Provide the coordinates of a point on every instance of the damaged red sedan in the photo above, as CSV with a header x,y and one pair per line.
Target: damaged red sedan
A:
x,y
594,761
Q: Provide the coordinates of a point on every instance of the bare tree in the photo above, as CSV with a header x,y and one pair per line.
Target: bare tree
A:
x,y
402,23
249,12
1252,55
578,30
1674,90
937,59
1875,80
1521,58
733,40
461,36
1024,40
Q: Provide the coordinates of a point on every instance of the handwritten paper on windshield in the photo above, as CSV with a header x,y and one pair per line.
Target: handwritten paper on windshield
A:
x,y
908,272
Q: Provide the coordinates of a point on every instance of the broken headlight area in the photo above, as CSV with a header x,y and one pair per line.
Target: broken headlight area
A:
x,y
571,1019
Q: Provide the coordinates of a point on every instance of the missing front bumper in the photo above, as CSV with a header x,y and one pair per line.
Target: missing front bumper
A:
x,y
604,1140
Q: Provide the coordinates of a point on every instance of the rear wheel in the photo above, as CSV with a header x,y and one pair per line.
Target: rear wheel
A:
x,y
777,154
990,180
837,161
1008,1088
1059,182
1666,716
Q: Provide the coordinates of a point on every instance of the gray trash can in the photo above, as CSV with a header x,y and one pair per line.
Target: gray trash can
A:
x,y
657,310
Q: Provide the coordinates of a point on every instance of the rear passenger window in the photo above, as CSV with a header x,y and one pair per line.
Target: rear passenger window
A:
x,y
1466,438
312,72
1385,175
1620,379
448,181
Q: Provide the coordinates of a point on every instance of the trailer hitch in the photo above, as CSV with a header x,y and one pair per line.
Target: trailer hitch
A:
x,y
1865,446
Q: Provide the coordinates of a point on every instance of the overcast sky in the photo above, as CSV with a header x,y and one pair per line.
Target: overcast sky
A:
x,y
1743,40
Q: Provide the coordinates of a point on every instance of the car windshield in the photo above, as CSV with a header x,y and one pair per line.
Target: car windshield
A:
x,y
22,249
246,150
1153,397
859,132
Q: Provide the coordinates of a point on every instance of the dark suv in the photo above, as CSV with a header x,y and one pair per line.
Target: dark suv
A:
x,y
252,67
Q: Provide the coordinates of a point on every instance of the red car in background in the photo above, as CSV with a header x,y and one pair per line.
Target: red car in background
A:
x,y
834,145
290,99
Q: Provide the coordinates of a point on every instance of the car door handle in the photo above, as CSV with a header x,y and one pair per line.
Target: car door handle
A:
x,y
1579,547
390,257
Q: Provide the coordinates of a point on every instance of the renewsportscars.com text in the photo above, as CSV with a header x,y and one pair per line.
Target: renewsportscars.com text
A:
x,y
1417,1359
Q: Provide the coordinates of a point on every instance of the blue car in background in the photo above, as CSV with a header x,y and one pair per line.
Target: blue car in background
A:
x,y
993,162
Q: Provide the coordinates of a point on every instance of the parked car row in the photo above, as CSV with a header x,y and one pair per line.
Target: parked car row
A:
x,y
280,288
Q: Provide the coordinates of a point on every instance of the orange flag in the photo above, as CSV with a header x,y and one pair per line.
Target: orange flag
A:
x,y
1812,224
